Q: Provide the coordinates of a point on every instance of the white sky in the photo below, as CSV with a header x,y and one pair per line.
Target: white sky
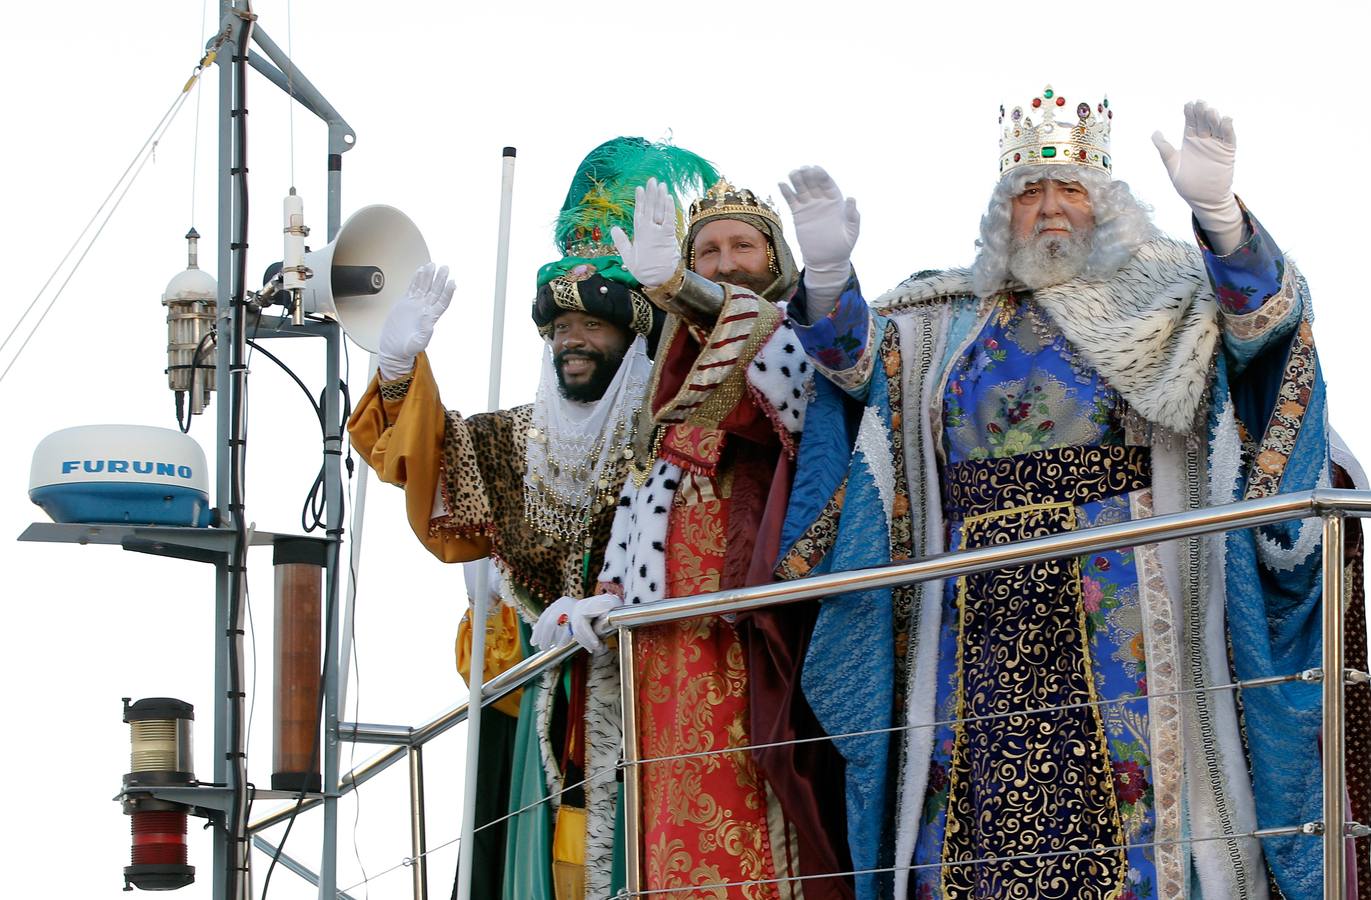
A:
x,y
898,101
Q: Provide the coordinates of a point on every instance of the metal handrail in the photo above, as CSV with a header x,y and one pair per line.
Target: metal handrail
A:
x,y
1330,503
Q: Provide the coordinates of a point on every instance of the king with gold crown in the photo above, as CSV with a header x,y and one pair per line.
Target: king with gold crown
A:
x,y
1063,726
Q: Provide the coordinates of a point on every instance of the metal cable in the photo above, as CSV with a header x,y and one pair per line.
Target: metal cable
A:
x,y
402,864
1236,685
604,772
136,167
1259,834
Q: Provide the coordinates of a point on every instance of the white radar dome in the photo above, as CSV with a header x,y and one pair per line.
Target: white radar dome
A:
x,y
122,474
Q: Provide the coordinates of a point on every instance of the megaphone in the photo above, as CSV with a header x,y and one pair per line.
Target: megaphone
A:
x,y
360,275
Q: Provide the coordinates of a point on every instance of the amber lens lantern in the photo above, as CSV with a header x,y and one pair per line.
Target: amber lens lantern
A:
x,y
161,755
295,753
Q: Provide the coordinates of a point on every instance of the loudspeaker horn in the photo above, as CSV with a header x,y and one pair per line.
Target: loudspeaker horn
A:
x,y
360,275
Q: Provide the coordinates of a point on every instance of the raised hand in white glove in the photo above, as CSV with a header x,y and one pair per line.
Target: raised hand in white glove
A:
x,y
553,628
653,254
587,621
1202,172
409,326
826,228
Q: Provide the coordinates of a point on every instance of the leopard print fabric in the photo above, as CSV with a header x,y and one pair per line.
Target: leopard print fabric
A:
x,y
462,486
483,483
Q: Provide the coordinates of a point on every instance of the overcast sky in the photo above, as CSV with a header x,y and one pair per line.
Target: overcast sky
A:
x,y
898,101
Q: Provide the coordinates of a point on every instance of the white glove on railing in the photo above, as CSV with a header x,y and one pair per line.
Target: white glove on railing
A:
x,y
1202,172
587,620
653,255
826,228
409,326
553,628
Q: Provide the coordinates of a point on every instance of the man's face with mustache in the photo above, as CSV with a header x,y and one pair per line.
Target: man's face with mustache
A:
x,y
1050,208
586,353
733,252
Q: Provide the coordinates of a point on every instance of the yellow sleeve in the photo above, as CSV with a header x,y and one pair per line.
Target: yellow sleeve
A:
x,y
402,440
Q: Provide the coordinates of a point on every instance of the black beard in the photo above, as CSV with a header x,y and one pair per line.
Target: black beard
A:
x,y
594,388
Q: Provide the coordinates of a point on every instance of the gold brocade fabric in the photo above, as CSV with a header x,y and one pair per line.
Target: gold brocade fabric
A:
x,y
503,651
705,817
1031,774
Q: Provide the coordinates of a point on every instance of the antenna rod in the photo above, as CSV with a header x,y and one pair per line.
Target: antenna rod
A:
x,y
481,602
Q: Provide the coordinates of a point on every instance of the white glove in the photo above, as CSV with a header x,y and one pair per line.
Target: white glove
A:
x,y
1202,172
654,254
587,620
826,228
409,326
553,628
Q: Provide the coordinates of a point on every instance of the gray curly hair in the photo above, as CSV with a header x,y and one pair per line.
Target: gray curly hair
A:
x,y
1122,224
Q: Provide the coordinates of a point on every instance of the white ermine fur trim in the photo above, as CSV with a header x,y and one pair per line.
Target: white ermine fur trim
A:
x,y
604,737
1150,330
783,376
635,560
923,288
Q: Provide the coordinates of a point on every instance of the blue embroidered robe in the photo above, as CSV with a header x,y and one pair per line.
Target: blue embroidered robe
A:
x,y
1256,426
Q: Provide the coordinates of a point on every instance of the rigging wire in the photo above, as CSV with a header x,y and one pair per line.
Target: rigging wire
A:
x,y
290,89
139,161
135,167
1259,834
195,145
608,772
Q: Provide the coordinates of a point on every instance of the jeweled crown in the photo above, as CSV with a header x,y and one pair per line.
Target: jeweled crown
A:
x,y
1051,129
723,199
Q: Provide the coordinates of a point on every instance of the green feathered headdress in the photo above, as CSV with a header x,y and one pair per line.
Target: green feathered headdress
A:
x,y
602,196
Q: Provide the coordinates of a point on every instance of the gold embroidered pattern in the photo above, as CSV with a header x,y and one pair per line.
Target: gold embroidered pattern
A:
x,y
1025,782
397,389
1278,440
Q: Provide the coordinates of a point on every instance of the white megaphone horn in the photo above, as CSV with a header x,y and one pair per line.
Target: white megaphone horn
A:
x,y
358,277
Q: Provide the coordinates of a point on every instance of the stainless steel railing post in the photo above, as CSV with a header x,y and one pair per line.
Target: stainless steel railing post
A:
x,y
1334,674
417,837
633,804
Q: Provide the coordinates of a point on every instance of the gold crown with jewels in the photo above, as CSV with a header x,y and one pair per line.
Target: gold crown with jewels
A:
x,y
723,199
1050,129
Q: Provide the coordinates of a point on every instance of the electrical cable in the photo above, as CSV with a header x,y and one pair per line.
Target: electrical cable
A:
x,y
76,267
312,514
190,394
330,608
238,806
318,411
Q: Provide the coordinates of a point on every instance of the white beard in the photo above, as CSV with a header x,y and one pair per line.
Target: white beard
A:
x,y
1044,260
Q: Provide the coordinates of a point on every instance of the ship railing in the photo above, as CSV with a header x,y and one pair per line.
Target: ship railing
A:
x,y
1332,506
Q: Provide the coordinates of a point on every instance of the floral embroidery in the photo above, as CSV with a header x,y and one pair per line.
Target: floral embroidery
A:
x,y
1250,275
1019,389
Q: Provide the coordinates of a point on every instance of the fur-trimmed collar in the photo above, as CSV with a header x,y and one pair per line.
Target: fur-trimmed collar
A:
x,y
1150,330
